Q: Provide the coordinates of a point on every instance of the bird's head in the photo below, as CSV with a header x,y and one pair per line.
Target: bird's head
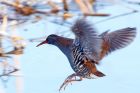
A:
x,y
51,39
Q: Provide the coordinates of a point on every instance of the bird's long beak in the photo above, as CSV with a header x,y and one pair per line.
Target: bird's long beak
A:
x,y
44,42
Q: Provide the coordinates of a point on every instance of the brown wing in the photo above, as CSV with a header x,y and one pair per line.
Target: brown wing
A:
x,y
116,40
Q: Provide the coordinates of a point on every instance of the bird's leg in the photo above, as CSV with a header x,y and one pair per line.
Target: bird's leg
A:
x,y
70,79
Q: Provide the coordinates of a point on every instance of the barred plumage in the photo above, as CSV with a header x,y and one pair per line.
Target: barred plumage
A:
x,y
88,48
79,57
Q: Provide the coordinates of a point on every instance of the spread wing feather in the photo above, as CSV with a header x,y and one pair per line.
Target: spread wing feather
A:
x,y
88,38
118,39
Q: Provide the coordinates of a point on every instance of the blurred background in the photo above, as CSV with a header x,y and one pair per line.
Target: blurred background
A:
x,y
25,68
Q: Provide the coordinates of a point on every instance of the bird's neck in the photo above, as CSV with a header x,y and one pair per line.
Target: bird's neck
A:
x,y
64,48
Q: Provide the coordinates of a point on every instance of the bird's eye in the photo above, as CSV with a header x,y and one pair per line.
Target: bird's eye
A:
x,y
51,41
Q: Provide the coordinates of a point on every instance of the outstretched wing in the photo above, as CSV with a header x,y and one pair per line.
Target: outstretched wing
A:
x,y
87,37
117,40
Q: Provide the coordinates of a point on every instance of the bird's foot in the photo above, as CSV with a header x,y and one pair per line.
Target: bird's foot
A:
x,y
70,79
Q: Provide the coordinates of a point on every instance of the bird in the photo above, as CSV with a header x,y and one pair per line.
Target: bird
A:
x,y
88,48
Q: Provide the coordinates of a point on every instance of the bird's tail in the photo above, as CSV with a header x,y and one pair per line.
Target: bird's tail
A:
x,y
99,74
